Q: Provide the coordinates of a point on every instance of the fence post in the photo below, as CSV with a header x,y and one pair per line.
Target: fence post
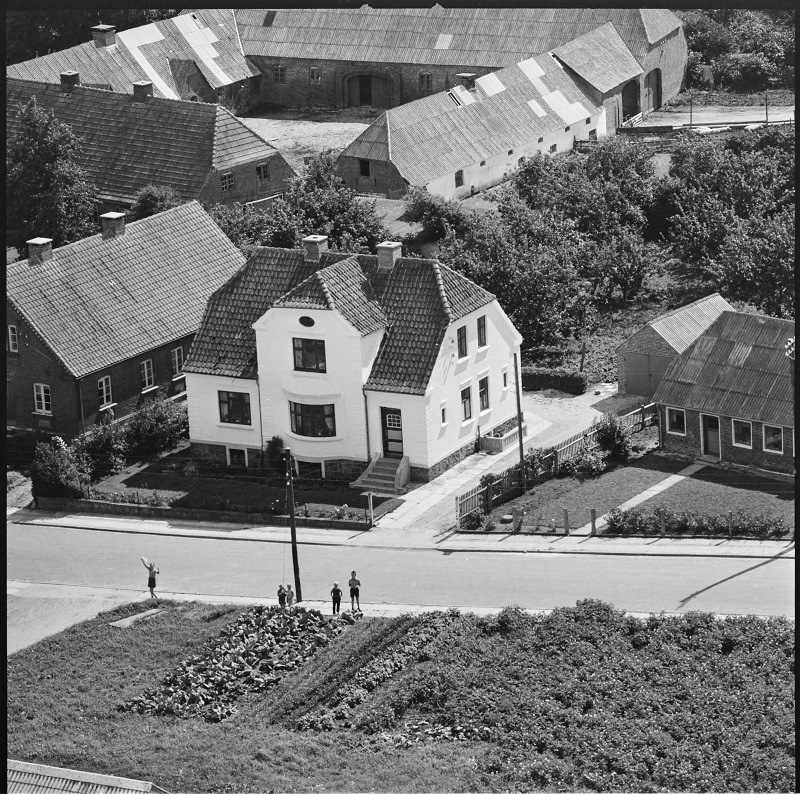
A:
x,y
488,499
566,522
663,519
594,518
730,524
555,462
369,503
458,512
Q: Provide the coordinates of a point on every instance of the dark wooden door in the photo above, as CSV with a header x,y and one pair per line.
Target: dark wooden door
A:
x,y
710,435
392,432
365,89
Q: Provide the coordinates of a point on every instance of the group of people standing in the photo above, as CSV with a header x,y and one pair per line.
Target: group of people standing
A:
x,y
285,595
355,591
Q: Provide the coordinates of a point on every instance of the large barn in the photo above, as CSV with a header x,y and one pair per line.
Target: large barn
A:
x,y
378,57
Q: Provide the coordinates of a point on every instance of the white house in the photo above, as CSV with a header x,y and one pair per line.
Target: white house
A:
x,y
350,359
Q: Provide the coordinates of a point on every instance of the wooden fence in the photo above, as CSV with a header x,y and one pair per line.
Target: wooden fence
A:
x,y
508,485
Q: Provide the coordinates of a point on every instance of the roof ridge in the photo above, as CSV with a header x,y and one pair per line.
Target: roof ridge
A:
x,y
325,291
442,293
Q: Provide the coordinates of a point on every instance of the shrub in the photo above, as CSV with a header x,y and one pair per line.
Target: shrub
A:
x,y
272,456
157,426
540,459
537,379
105,447
637,521
473,522
613,438
436,214
13,479
58,471
588,462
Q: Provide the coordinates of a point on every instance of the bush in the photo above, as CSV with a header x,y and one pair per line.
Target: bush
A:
x,y
157,426
104,447
613,438
637,521
588,462
537,379
58,471
436,214
272,457
473,522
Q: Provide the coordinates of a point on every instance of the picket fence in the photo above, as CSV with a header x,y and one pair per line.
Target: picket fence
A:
x,y
508,485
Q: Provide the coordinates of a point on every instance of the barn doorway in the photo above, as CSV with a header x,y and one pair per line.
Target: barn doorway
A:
x,y
368,90
652,90
630,99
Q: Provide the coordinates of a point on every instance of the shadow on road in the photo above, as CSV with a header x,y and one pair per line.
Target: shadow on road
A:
x,y
683,602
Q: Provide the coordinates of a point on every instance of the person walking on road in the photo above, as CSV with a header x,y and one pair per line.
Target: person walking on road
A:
x,y
289,595
281,596
336,595
151,576
355,585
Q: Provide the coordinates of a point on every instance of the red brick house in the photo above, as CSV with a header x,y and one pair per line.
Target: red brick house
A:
x,y
729,397
643,358
201,151
105,323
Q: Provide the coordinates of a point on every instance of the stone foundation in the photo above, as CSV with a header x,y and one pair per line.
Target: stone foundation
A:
x,y
344,469
421,474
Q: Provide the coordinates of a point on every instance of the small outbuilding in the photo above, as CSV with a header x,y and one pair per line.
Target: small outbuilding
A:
x,y
729,396
25,778
643,359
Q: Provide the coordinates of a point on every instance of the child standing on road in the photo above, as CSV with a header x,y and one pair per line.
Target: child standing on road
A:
x,y
289,595
336,595
151,576
355,585
281,596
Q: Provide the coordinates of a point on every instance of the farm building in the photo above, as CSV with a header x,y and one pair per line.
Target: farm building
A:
x,y
381,368
201,151
471,137
729,396
643,358
345,57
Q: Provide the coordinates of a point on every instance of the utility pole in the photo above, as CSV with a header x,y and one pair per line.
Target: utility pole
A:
x,y
766,104
690,108
290,489
518,384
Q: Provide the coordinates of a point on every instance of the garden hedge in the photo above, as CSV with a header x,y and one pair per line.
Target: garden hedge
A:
x,y
539,378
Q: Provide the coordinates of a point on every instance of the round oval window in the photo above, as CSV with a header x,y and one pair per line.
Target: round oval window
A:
x,y
306,321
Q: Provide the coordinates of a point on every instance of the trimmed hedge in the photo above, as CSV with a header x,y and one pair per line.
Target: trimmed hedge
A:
x,y
639,522
539,378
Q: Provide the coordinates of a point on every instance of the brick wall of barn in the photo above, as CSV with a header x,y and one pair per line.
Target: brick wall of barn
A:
x,y
384,178
330,91
247,186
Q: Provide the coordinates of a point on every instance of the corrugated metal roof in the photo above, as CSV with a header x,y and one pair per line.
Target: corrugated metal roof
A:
x,y
601,58
25,778
433,136
488,36
208,37
679,328
737,368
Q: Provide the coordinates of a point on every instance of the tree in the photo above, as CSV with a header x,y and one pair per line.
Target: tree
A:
x,y
59,471
153,199
47,192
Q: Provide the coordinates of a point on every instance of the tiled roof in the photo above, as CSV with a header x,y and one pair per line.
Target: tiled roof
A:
x,y
26,778
98,302
208,37
601,58
680,327
434,136
477,37
225,343
129,144
415,302
738,368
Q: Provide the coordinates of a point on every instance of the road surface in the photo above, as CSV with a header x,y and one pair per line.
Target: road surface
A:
x,y
110,560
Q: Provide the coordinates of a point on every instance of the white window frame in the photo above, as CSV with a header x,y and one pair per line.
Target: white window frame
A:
x,y
675,432
471,417
146,377
461,333
13,338
42,397
175,353
764,439
488,407
733,433
225,185
104,384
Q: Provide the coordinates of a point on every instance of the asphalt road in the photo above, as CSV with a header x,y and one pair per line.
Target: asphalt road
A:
x,y
106,560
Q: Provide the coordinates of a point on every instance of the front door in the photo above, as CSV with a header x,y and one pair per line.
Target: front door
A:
x,y
710,435
392,429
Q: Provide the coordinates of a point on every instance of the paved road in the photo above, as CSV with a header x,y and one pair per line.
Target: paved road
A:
x,y
108,561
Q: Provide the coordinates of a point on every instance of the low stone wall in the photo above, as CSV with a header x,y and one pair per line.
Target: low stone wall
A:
x,y
168,513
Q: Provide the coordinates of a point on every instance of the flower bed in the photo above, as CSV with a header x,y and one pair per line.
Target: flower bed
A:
x,y
252,655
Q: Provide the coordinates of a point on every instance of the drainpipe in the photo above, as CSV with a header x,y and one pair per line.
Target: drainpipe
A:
x,y
366,419
80,405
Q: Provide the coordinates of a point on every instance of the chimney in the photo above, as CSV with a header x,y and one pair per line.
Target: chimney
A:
x,y
388,254
104,35
40,249
467,80
69,80
142,90
112,224
316,245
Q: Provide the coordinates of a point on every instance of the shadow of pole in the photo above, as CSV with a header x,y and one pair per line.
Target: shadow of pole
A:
x,y
683,602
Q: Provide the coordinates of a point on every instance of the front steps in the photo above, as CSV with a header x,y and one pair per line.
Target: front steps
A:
x,y
381,476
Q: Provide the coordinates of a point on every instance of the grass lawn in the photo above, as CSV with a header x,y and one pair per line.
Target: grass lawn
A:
x,y
712,491
583,699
